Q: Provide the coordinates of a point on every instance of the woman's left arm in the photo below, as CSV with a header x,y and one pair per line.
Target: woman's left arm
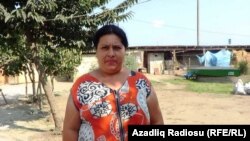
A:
x,y
154,109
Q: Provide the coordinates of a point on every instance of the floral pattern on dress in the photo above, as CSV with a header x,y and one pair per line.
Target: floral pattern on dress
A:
x,y
128,110
143,92
114,127
89,92
97,102
101,138
142,84
86,132
101,109
125,88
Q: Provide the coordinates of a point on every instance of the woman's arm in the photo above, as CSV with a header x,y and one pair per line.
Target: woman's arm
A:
x,y
71,122
154,108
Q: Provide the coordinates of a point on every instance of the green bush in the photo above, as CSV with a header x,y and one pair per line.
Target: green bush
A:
x,y
243,67
130,62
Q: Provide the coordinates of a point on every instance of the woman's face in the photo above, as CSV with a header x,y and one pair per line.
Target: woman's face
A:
x,y
110,53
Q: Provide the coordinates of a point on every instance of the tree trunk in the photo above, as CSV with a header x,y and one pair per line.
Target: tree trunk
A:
x,y
31,72
51,98
52,82
46,87
26,83
39,94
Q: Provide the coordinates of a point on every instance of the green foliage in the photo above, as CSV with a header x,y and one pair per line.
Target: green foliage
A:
x,y
130,62
243,67
52,34
13,59
55,34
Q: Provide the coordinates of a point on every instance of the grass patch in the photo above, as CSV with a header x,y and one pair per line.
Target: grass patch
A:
x,y
155,82
203,87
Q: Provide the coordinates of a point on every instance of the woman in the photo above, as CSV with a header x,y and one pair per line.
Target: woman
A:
x,y
105,101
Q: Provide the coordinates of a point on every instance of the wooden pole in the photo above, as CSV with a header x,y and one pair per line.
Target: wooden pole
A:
x,y
189,62
198,42
174,61
3,96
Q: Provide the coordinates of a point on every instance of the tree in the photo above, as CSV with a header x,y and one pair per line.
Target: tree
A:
x,y
48,27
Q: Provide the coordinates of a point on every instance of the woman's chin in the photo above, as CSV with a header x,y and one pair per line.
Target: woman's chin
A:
x,y
112,70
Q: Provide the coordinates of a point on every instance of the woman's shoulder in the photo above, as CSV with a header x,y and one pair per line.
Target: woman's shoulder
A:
x,y
83,77
138,74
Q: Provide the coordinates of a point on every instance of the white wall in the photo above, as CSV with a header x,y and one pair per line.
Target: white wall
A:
x,y
138,56
89,62
156,61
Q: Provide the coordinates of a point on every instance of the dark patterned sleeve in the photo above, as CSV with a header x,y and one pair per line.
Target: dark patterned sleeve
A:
x,y
149,87
144,83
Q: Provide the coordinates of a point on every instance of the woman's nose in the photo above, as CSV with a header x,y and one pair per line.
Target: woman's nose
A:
x,y
111,52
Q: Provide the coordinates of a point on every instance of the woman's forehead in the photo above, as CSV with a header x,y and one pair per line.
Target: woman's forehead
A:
x,y
110,38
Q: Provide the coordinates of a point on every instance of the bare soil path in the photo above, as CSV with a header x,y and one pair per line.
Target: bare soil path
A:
x,y
19,121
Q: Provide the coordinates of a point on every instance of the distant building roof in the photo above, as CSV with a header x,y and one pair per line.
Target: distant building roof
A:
x,y
190,47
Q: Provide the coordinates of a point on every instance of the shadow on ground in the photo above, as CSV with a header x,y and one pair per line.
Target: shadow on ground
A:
x,y
17,111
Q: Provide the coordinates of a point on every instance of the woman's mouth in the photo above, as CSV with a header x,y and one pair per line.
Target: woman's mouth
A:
x,y
111,61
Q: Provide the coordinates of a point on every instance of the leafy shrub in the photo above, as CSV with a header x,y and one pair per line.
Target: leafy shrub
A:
x,y
243,67
130,62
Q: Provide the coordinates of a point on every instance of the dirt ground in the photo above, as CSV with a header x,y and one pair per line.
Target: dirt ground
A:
x,y
20,122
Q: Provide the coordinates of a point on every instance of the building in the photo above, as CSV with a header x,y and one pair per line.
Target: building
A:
x,y
150,59
166,59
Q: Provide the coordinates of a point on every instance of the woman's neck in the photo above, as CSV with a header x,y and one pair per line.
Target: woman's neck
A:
x,y
104,74
114,80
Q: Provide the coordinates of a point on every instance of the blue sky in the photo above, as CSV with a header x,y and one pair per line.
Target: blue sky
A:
x,y
174,22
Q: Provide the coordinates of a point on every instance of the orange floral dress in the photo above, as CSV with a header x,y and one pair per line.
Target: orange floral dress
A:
x,y
105,113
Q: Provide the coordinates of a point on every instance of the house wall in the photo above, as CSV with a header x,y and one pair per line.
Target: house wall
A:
x,y
2,78
156,63
21,77
89,62
189,59
165,61
15,79
138,57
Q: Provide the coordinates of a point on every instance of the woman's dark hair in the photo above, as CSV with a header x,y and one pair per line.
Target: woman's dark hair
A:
x,y
110,29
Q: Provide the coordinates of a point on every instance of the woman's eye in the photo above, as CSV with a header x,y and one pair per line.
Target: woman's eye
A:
x,y
104,47
117,47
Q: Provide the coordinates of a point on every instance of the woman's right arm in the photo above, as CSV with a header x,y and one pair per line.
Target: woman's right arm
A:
x,y
71,122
